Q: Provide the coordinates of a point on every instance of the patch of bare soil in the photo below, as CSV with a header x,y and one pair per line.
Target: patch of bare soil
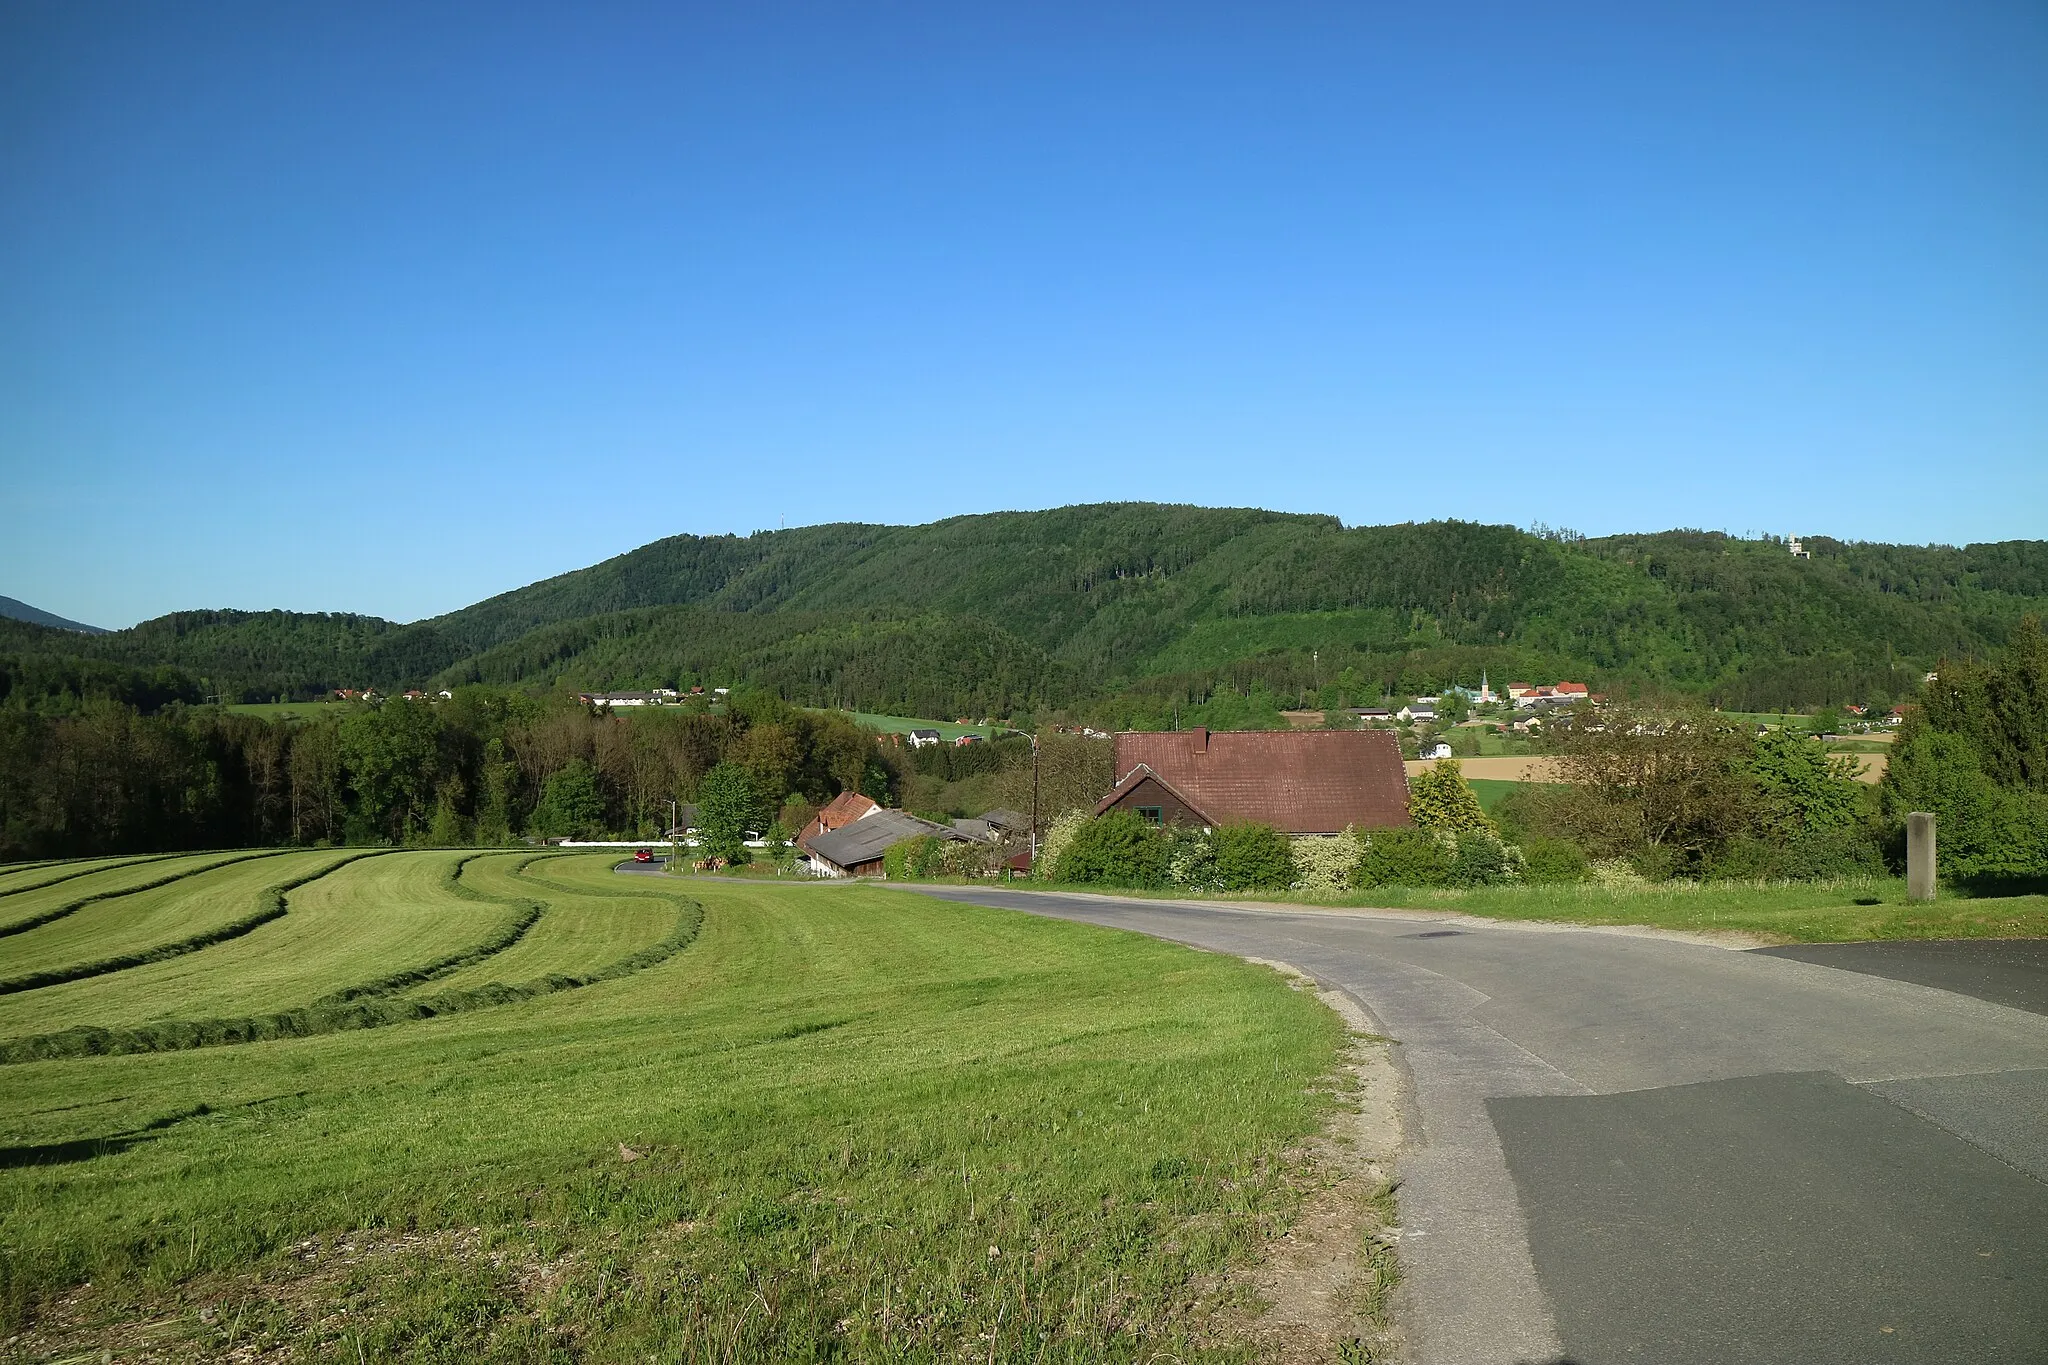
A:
x,y
1327,1284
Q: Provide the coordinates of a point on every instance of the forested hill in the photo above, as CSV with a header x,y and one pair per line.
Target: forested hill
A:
x,y
1136,604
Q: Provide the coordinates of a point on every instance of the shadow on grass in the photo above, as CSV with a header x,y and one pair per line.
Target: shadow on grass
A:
x,y
109,1144
1990,886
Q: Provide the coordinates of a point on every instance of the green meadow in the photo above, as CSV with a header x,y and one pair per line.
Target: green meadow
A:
x,y
1841,911
450,1107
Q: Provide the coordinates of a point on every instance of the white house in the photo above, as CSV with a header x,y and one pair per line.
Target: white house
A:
x,y
1437,750
921,737
1421,709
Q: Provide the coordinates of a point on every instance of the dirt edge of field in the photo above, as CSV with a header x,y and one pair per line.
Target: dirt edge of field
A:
x,y
1327,1284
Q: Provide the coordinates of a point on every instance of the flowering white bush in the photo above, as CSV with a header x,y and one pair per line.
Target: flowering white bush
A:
x,y
1324,863
1058,835
1192,863
1615,874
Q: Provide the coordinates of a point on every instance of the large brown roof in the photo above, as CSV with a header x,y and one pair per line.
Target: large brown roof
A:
x,y
1300,781
843,810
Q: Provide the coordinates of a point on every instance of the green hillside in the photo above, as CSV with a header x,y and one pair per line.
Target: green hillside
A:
x,y
1071,607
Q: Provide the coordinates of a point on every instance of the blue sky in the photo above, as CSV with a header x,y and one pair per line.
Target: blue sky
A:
x,y
390,308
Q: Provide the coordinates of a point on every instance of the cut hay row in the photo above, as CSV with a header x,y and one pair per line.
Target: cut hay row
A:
x,y
133,930
837,1101
396,997
368,926
43,905
583,931
35,876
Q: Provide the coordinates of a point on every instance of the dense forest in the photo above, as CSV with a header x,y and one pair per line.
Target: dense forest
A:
x,y
1124,612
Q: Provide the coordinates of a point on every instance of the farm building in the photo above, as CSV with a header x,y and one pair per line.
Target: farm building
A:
x,y
856,848
921,737
660,696
1299,782
840,812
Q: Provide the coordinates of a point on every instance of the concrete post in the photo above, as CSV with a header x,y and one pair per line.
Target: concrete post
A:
x,y
1920,856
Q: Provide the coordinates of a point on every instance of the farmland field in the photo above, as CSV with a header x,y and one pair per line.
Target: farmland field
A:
x,y
607,1117
903,725
290,710
62,889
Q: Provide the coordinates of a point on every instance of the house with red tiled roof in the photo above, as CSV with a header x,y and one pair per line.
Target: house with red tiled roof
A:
x,y
841,811
1298,781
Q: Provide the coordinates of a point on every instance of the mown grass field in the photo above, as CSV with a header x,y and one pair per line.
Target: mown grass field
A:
x,y
289,710
1786,912
863,1125
36,894
903,725
207,900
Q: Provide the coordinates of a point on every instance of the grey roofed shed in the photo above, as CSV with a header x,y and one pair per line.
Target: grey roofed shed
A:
x,y
1003,818
868,838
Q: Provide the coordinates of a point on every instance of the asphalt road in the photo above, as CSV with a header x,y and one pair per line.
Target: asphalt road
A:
x,y
1634,1148
2002,970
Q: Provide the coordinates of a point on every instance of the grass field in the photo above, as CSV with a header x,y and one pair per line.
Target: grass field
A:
x,y
903,725
23,876
1790,912
289,710
34,902
1492,791
862,1125
366,921
203,903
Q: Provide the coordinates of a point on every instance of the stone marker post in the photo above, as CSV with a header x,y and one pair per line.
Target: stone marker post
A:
x,y
1920,856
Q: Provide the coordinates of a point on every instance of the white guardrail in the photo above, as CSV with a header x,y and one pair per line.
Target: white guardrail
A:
x,y
642,843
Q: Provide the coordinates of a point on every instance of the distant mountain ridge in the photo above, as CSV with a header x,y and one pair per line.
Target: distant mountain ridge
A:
x,y
16,610
1130,605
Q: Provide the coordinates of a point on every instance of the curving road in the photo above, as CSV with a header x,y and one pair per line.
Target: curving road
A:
x,y
1626,1147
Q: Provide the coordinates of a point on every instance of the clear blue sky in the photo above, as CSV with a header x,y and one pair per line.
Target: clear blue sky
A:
x,y
389,308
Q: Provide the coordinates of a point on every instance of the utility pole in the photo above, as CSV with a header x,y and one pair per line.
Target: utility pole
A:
x,y
675,847
1034,805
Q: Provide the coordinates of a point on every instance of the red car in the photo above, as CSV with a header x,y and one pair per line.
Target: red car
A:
x,y
643,855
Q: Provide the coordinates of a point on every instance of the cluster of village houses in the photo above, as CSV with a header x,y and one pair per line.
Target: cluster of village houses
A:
x,y
1301,782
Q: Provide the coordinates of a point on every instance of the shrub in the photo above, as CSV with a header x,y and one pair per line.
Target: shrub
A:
x,y
1058,835
1325,864
1821,856
1483,860
1615,874
1191,859
1403,857
1553,862
912,858
1253,857
1116,849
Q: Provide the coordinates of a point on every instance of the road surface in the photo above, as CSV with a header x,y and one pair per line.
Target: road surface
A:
x,y
1627,1147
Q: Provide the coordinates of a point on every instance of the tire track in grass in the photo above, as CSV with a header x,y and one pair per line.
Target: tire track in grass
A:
x,y
37,921
270,906
370,1004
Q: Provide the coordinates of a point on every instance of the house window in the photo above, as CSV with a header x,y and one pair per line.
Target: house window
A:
x,y
1152,815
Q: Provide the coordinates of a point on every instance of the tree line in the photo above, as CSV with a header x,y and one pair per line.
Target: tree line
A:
x,y
488,767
